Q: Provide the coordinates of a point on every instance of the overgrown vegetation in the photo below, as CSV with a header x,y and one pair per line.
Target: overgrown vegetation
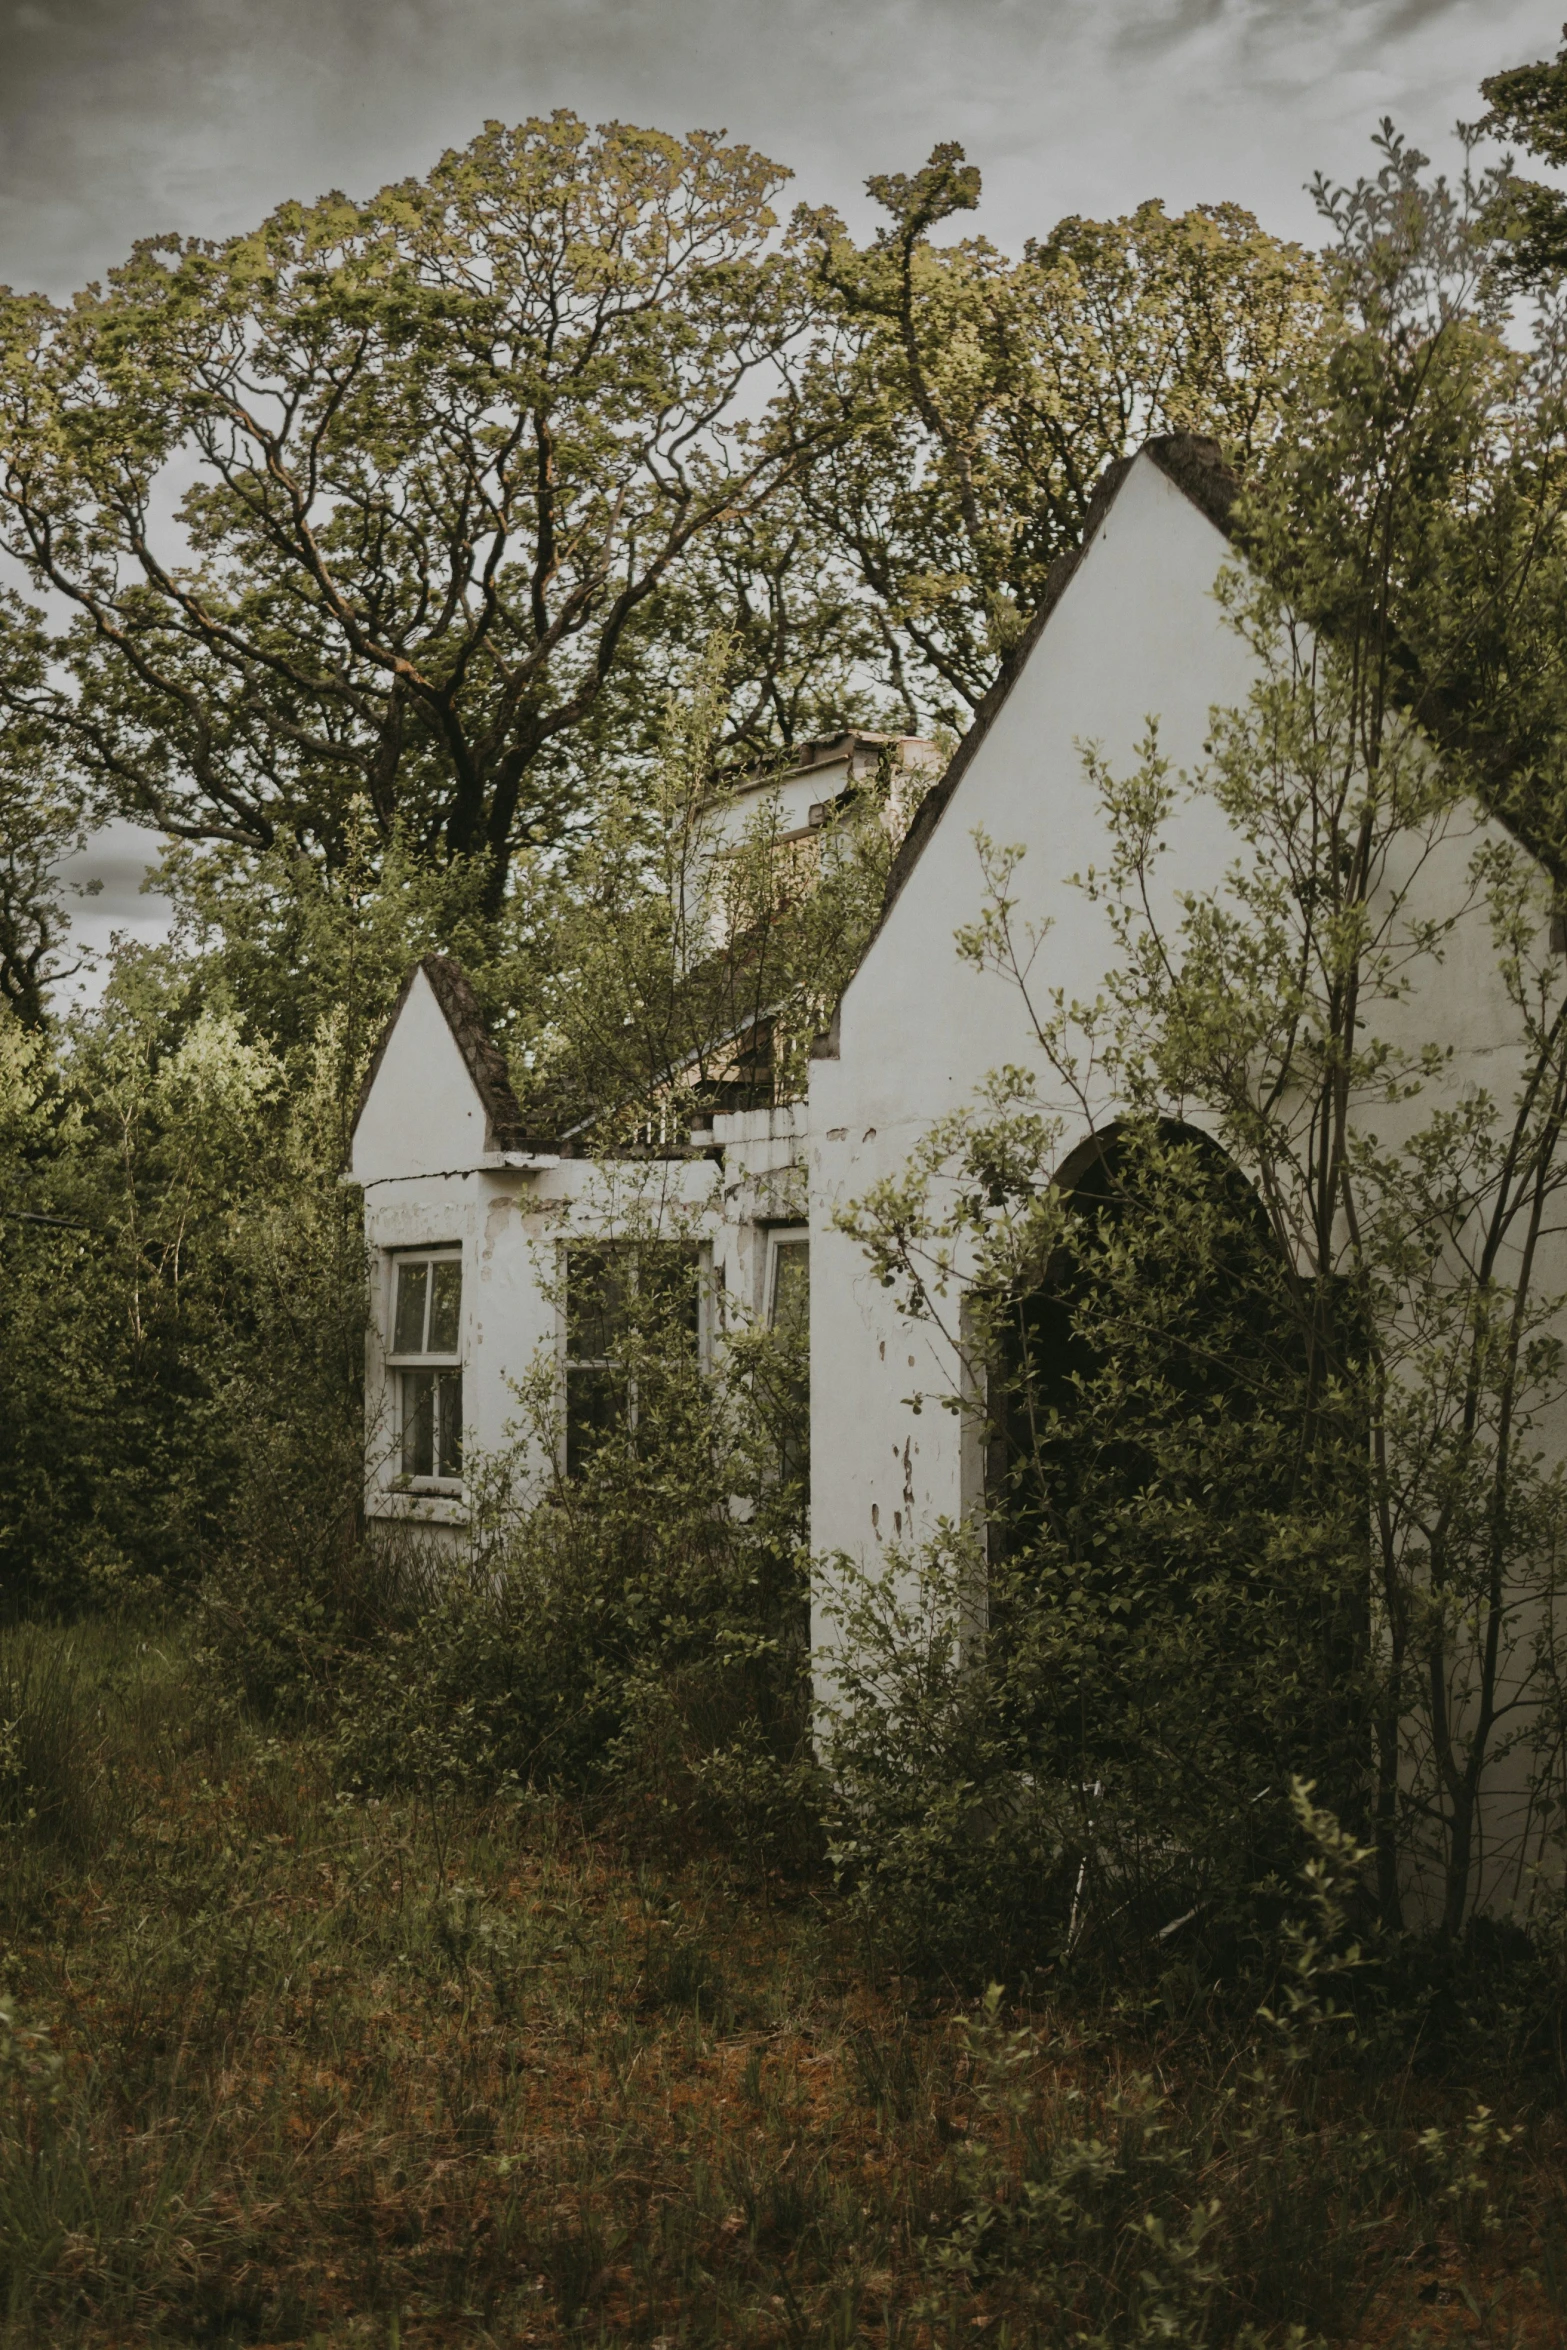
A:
x,y
638,1635
281,2063
485,1949
1270,1369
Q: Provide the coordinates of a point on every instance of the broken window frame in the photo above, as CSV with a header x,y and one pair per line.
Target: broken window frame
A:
x,y
783,1240
789,1255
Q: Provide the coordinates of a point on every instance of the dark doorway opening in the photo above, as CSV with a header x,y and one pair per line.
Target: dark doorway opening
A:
x,y
1175,1510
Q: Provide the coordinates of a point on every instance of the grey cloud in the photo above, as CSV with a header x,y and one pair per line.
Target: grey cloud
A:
x,y
122,117
106,898
1352,22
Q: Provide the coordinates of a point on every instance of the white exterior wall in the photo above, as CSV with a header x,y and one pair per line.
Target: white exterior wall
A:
x,y
798,801
423,1114
429,1179
1138,634
797,792
817,782
1464,1005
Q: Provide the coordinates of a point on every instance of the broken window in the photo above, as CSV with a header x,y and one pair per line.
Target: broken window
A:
x,y
627,1303
425,1359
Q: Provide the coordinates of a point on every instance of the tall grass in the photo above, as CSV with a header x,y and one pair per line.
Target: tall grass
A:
x,y
55,1777
280,2065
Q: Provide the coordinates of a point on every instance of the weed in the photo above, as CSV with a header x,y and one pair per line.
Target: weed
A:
x,y
277,2064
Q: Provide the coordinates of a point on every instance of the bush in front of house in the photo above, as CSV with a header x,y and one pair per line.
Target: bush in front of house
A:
x,y
637,1632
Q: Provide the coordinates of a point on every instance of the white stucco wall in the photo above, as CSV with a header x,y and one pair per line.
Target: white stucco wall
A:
x,y
1462,1004
421,1156
1137,634
423,1112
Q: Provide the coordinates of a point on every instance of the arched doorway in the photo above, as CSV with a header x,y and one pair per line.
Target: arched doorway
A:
x,y
1176,1531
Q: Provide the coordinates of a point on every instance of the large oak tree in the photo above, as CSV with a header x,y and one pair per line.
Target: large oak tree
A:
x,y
372,504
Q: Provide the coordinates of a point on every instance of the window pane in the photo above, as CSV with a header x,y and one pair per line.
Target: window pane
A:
x,y
408,1336
445,1306
792,1284
790,1374
595,1303
449,1400
418,1423
595,1408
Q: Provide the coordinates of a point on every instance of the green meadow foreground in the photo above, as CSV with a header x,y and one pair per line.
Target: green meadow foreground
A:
x,y
280,2066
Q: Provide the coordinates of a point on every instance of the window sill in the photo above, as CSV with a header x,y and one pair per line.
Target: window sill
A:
x,y
419,1509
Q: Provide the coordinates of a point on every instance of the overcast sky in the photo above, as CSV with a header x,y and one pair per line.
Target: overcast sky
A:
x,y
122,118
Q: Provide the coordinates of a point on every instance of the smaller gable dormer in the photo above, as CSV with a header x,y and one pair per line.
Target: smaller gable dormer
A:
x,y
436,1098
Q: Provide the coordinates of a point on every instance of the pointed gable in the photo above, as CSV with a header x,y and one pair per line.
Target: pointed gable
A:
x,y
436,1097
1195,465
1130,631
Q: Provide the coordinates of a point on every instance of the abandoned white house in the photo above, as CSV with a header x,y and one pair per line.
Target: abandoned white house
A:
x,y
467,1219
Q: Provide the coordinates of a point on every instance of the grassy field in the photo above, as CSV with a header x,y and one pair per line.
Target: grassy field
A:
x,y
281,2067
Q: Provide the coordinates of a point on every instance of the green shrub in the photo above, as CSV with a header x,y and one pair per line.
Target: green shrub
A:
x,y
638,1632
966,1849
953,1866
1080,1727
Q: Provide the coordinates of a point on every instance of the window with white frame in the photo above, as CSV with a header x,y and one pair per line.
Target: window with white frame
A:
x,y
789,1277
626,1301
425,1360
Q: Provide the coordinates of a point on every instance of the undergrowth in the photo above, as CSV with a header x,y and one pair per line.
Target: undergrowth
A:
x,y
278,2064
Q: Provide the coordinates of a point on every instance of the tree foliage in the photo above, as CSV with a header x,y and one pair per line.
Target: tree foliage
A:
x,y
1529,103
697,950
433,457
417,502
1294,1500
995,392
43,818
428,568
1413,509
